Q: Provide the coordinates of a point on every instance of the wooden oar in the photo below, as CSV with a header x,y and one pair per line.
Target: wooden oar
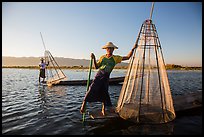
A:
x,y
87,87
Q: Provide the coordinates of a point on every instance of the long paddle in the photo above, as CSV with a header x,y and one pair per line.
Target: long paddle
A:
x,y
87,87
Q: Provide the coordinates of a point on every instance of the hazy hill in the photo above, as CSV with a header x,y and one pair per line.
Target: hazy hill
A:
x,y
34,61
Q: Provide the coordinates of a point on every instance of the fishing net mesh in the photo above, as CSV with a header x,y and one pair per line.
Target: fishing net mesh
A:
x,y
54,73
145,95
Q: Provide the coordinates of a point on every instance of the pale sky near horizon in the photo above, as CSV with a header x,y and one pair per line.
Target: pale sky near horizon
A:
x,y
75,29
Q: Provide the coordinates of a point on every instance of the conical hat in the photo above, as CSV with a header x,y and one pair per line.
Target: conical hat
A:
x,y
109,45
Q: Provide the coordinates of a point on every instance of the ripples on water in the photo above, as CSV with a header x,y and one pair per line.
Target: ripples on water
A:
x,y
28,108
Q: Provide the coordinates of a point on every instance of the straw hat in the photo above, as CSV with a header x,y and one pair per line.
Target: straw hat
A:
x,y
41,58
109,45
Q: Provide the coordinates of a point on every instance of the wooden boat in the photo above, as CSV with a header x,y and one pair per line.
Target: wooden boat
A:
x,y
112,81
185,104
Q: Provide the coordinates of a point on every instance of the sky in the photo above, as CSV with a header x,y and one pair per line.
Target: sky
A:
x,y
77,29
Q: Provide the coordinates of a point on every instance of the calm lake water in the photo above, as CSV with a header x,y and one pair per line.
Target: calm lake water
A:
x,y
28,108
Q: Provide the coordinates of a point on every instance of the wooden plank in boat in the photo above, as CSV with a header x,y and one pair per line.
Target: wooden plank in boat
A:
x,y
96,114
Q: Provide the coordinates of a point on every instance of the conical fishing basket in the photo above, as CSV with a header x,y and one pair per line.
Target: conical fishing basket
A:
x,y
145,95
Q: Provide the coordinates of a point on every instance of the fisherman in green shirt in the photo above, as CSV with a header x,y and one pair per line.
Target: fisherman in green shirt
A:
x,y
98,90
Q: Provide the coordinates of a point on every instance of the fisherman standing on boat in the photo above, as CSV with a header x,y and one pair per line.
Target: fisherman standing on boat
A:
x,y
42,66
98,90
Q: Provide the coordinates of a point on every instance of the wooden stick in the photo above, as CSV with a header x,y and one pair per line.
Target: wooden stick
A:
x,y
151,11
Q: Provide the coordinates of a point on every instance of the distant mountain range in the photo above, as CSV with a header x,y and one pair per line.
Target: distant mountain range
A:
x,y
34,61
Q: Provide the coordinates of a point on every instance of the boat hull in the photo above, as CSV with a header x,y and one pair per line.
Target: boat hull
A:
x,y
112,81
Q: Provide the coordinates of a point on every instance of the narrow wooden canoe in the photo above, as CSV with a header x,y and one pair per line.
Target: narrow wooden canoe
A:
x,y
112,81
184,104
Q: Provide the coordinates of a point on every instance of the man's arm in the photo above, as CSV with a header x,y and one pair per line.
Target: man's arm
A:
x,y
129,54
94,58
47,63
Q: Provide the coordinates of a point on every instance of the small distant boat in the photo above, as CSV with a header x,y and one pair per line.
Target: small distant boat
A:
x,y
112,81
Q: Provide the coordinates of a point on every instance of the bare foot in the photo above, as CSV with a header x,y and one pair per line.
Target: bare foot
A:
x,y
103,112
82,110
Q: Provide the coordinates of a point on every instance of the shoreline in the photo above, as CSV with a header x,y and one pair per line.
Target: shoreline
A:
x,y
82,67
